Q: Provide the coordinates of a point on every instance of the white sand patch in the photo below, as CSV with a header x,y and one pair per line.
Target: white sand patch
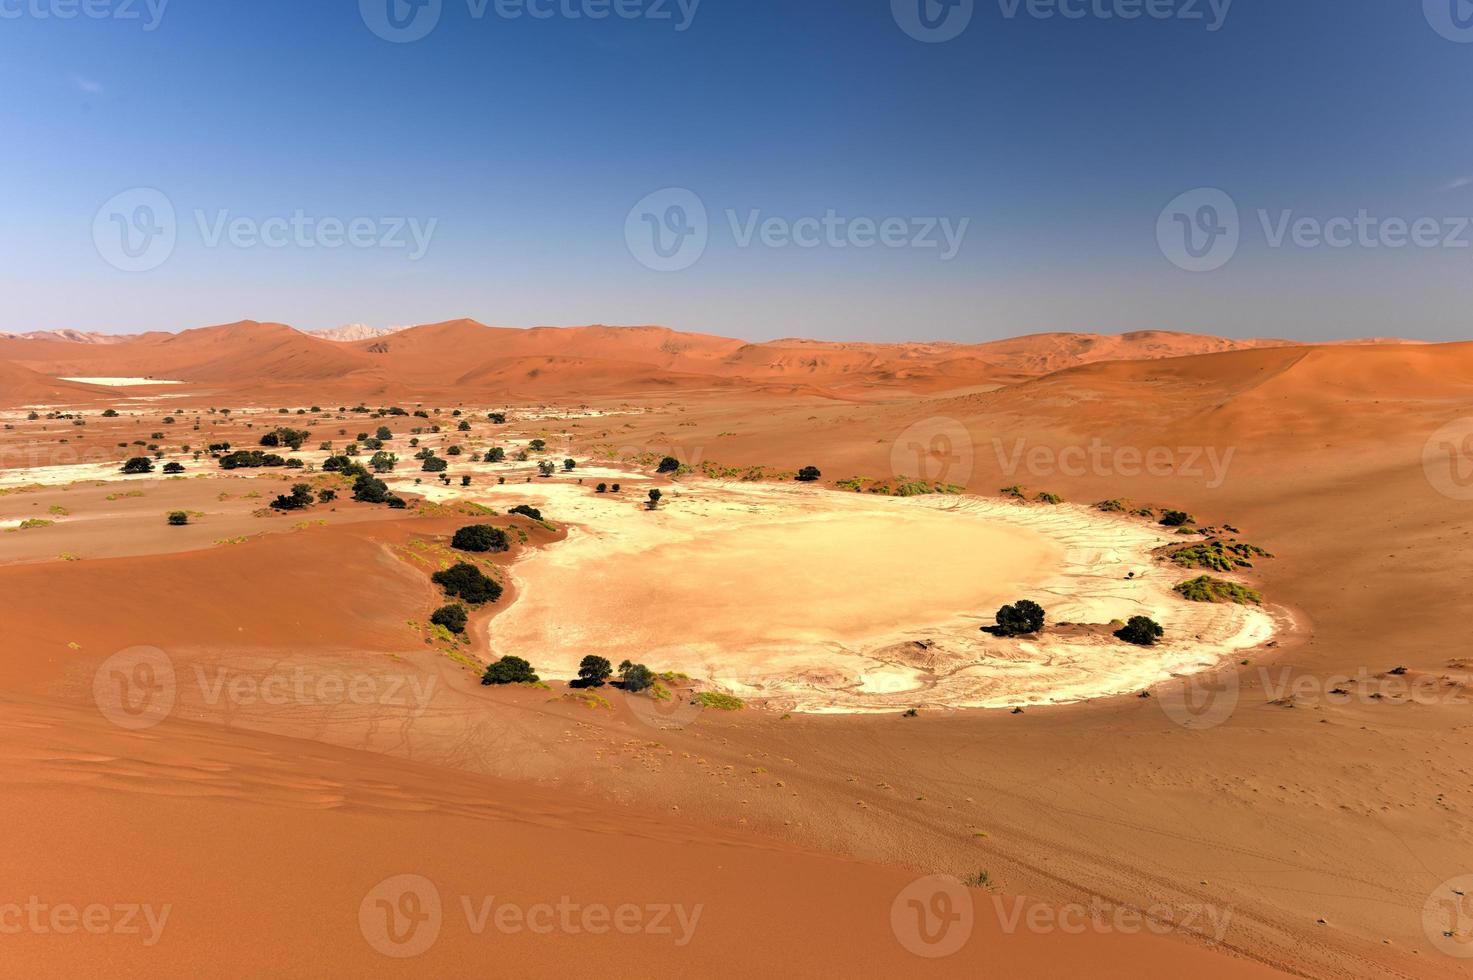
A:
x,y
121,382
827,602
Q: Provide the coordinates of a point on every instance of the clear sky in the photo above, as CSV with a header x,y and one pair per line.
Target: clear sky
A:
x,y
223,152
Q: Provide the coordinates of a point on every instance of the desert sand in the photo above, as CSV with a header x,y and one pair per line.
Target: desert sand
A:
x,y
1311,802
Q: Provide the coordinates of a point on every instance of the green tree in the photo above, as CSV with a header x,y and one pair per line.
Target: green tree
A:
x,y
808,474
636,677
452,617
668,465
594,670
467,582
138,464
480,538
1020,619
1141,630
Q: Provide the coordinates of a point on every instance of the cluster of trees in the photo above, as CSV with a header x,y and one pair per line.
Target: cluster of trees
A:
x,y
479,539
366,487
635,677
468,583
299,499
291,438
253,459
595,671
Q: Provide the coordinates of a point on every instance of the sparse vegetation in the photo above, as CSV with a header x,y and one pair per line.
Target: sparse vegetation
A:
x,y
718,701
526,511
1205,588
178,518
635,677
1176,518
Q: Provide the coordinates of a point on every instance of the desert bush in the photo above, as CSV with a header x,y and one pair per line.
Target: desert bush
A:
x,y
497,418
546,467
1019,619
435,465
495,455
668,465
173,467
1175,518
326,496
466,581
1112,506
719,701
1141,630
290,438
509,670
479,539
110,414
452,617
178,518
463,427
569,465
454,451
1049,498
601,488
526,511
808,474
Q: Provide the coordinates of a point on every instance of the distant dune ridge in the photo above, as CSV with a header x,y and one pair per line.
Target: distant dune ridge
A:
x,y
597,359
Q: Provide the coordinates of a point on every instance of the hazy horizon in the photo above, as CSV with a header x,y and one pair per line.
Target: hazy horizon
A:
x,y
832,171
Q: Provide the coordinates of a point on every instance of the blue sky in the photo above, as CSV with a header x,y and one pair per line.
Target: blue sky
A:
x,y
518,146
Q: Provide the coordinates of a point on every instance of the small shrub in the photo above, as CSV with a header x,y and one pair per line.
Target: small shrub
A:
x,y
636,677
526,511
138,464
173,467
1175,518
808,474
718,701
1141,630
178,518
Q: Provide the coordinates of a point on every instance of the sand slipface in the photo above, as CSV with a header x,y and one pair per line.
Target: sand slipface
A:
x,y
828,602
